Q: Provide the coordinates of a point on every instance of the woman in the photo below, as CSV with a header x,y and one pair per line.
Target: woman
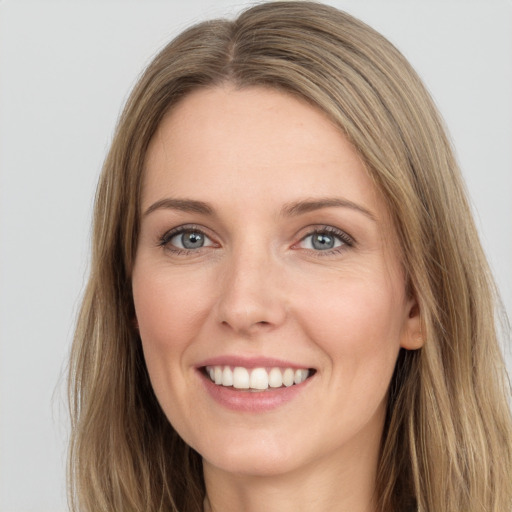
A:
x,y
288,304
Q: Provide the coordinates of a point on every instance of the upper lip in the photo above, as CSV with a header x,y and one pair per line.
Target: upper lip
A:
x,y
250,362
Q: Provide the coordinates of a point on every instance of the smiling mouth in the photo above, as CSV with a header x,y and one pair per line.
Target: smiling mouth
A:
x,y
256,379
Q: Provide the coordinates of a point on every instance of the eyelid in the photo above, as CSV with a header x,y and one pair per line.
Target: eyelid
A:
x,y
346,239
164,240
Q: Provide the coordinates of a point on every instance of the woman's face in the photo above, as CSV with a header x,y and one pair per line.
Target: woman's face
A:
x,y
266,256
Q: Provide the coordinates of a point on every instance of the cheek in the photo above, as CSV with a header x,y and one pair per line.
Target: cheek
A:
x,y
168,307
358,324
168,310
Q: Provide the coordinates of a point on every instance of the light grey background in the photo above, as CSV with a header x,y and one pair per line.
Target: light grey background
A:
x,y
65,69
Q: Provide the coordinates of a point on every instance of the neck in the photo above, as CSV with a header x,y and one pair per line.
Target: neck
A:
x,y
347,484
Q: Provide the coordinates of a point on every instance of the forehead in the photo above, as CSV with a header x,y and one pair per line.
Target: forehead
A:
x,y
252,143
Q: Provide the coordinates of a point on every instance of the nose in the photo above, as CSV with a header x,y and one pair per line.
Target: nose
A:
x,y
251,295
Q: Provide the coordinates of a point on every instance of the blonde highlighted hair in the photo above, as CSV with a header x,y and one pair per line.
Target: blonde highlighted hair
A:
x,y
447,443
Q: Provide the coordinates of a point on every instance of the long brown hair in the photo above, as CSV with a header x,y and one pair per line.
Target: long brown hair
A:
x,y
447,444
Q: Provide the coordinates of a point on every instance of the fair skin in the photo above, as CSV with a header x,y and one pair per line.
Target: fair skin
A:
x,y
264,244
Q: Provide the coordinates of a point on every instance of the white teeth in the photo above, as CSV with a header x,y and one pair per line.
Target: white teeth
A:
x,y
259,379
300,376
227,377
241,378
288,377
275,378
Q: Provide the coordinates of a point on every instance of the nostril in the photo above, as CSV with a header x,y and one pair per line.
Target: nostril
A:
x,y
248,326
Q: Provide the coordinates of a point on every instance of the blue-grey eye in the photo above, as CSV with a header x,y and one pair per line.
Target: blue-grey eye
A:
x,y
190,240
321,241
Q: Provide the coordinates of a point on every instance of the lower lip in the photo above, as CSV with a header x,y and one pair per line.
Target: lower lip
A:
x,y
252,401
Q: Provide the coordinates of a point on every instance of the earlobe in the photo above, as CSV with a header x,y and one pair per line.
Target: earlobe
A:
x,y
412,336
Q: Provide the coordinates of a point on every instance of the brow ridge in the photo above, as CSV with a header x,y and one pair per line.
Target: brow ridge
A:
x,y
309,205
291,209
184,205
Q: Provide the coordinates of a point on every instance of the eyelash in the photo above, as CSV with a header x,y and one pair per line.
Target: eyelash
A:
x,y
346,240
169,235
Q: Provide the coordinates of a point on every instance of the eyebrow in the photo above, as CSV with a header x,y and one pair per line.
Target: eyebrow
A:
x,y
311,205
184,205
292,209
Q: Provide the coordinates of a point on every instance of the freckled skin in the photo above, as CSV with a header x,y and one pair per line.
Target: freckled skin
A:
x,y
258,288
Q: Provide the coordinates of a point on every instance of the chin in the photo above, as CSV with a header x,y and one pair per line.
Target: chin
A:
x,y
260,465
259,456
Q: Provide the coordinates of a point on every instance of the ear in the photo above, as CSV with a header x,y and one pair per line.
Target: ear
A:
x,y
412,333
